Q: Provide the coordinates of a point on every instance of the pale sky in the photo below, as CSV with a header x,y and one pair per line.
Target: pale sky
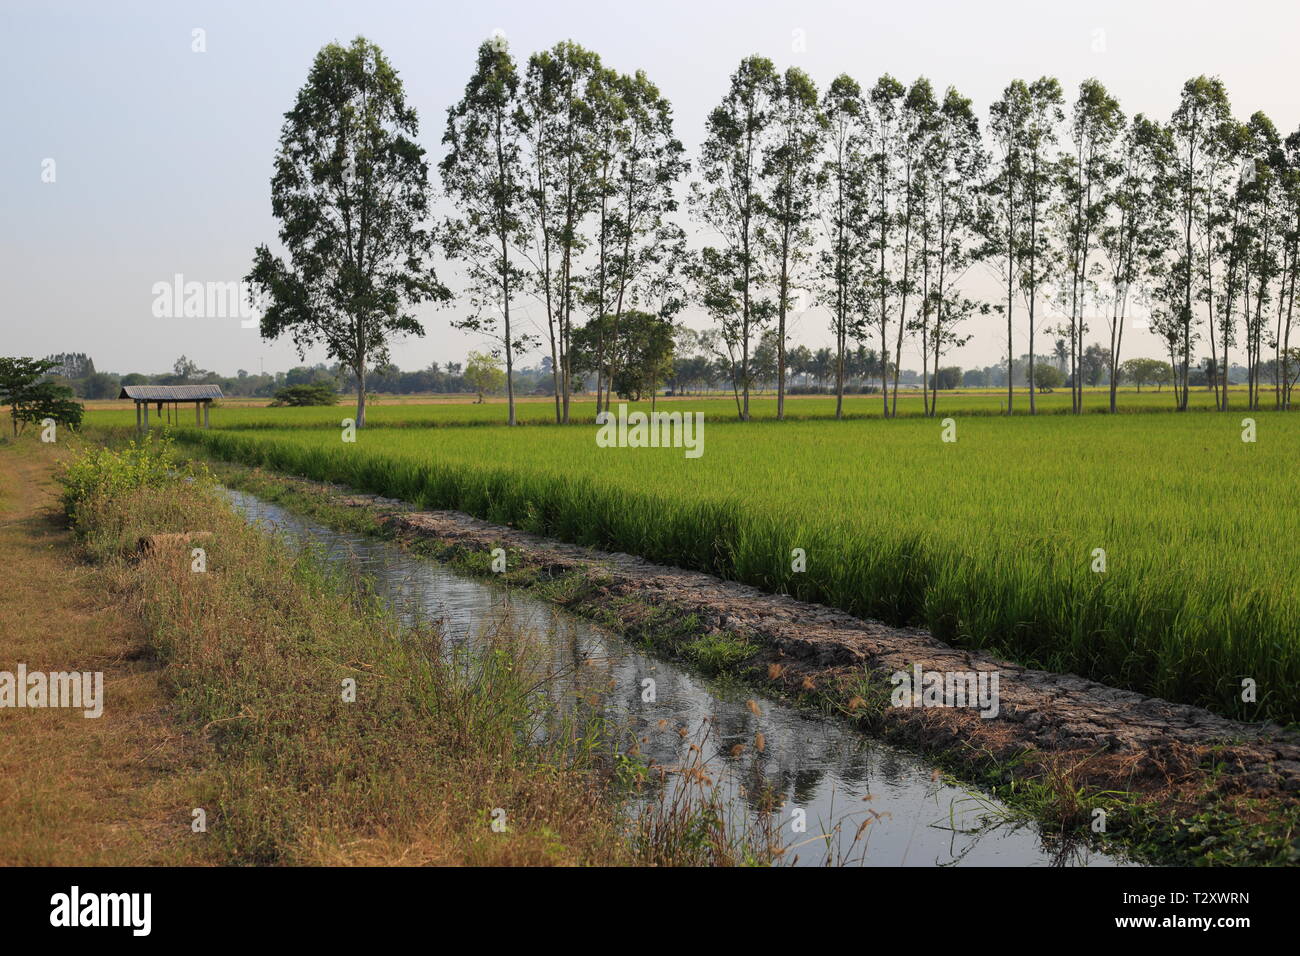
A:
x,y
163,156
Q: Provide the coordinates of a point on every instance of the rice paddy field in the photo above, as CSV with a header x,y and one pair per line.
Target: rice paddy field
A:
x,y
991,541
434,411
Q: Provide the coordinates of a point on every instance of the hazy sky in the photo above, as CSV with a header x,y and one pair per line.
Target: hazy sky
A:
x,y
162,156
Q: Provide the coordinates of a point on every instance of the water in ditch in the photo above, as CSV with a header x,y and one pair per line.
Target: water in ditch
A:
x,y
863,802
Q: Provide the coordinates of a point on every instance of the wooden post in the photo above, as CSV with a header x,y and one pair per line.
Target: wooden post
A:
x,y
196,414
139,422
206,406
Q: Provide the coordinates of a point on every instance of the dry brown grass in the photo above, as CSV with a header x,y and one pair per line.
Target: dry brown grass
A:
x,y
257,649
224,692
75,790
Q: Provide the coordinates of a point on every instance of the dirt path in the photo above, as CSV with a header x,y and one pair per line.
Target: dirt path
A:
x,y
76,790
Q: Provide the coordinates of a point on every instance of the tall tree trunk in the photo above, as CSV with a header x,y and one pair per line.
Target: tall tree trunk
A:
x,y
510,346
1116,339
744,335
884,286
783,291
360,370
925,323
1011,277
1286,335
903,292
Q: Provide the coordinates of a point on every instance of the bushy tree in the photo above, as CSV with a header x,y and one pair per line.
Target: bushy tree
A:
x,y
351,191
483,373
32,397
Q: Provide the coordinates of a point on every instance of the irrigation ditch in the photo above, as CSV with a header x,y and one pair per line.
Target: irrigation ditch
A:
x,y
1129,776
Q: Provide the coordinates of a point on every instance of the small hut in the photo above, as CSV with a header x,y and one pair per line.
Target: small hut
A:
x,y
172,397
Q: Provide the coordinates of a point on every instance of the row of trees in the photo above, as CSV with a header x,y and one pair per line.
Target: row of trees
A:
x,y
563,176
882,204
881,200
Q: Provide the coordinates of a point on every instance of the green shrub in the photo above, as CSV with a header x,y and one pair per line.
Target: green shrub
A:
x,y
101,472
299,395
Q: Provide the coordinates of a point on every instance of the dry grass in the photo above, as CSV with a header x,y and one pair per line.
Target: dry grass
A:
x,y
76,790
257,650
437,745
225,691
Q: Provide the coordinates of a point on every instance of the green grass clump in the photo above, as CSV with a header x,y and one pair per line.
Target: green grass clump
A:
x,y
719,653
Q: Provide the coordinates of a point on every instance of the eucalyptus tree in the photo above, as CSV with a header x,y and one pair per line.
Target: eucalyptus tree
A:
x,y
1243,231
959,166
1198,127
918,122
925,132
1260,184
1004,219
1135,230
924,187
789,202
843,203
1228,235
557,120
1043,118
351,190
884,109
1223,243
642,251
482,175
1290,218
608,139
1087,171
728,200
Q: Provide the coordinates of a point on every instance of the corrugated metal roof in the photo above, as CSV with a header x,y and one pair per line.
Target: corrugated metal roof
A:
x,y
170,393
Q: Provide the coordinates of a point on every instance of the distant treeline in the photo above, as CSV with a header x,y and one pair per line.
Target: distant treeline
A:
x,y
808,371
77,371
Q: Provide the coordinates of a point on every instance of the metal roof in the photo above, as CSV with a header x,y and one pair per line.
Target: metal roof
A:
x,y
170,393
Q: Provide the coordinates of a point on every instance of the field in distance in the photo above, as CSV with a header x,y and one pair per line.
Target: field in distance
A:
x,y
434,410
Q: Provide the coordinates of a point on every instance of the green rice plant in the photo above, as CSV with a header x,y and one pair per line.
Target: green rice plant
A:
x,y
992,541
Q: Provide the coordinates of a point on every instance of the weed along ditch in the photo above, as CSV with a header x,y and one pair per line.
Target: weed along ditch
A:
x,y
825,791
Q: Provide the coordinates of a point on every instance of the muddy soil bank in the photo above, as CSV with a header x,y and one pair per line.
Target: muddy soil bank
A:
x,y
1059,732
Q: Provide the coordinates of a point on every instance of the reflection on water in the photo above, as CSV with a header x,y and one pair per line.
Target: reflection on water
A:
x,y
839,777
